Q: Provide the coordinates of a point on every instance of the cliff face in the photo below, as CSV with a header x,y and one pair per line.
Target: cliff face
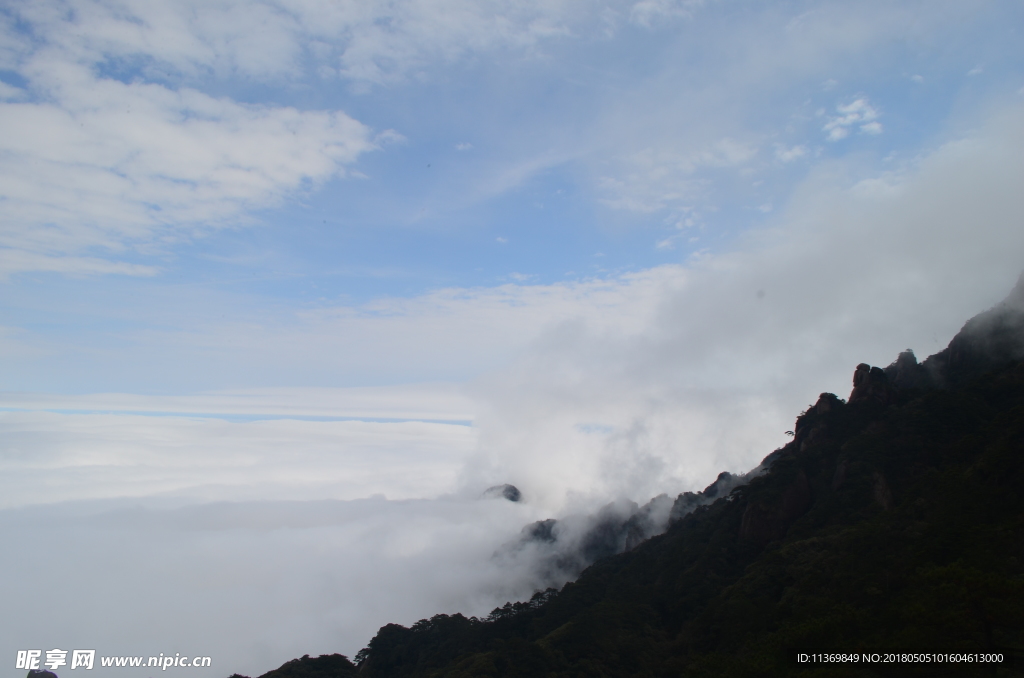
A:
x,y
893,520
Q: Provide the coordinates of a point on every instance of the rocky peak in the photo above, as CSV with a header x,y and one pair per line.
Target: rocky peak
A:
x,y
870,384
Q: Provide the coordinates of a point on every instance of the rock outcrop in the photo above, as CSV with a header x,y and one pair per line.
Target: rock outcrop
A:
x,y
870,384
506,491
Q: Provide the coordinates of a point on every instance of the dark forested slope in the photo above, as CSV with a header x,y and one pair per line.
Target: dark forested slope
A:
x,y
892,521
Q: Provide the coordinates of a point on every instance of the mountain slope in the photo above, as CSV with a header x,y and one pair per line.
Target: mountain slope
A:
x,y
894,521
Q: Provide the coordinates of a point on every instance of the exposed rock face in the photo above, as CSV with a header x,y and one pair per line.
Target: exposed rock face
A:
x,y
870,385
906,372
506,491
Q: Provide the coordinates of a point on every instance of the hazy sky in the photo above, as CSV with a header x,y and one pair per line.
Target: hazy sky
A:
x,y
284,285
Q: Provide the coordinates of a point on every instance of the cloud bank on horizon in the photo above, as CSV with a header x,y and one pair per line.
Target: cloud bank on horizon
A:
x,y
264,262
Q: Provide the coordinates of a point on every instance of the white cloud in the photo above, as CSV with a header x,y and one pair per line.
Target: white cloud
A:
x,y
389,136
110,166
790,154
649,13
871,128
859,112
640,147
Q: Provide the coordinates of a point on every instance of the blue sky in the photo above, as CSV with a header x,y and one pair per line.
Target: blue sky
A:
x,y
267,254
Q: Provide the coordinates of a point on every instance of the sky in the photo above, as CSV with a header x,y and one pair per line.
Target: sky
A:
x,y
286,285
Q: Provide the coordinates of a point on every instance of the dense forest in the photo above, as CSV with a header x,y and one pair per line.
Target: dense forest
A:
x,y
893,521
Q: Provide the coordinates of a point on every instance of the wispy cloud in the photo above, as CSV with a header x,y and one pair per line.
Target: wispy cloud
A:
x,y
790,154
97,166
655,178
858,113
650,12
17,260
